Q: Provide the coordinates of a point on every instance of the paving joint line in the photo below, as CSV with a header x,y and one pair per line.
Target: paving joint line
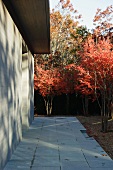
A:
x,y
85,158
32,161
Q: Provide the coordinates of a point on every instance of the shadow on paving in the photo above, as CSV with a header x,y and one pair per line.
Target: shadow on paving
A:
x,y
58,143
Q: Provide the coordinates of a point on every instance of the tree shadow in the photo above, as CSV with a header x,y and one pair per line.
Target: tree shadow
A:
x,y
10,86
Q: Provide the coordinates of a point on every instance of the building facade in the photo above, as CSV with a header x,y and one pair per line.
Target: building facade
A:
x,y
16,85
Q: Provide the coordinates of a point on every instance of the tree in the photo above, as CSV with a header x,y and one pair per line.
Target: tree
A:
x,y
97,61
69,80
54,82
47,82
79,37
63,22
103,23
77,63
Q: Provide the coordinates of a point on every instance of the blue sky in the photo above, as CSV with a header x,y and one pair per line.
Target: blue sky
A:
x,y
87,8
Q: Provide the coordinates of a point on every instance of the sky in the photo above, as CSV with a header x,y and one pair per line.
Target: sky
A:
x,y
87,8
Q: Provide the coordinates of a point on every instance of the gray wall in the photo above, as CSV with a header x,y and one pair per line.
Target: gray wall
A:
x,y
11,86
27,90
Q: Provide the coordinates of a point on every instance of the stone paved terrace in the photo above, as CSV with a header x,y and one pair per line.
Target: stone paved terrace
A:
x,y
58,143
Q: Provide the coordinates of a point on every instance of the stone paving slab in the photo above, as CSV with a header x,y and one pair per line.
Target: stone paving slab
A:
x,y
58,143
46,168
100,163
46,161
74,165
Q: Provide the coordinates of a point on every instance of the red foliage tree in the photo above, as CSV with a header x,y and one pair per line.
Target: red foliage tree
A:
x,y
47,82
54,82
97,61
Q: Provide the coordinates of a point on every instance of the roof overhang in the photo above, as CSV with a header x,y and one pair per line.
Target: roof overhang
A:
x,y
32,18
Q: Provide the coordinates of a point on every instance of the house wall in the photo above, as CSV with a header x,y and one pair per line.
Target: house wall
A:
x,y
11,86
27,90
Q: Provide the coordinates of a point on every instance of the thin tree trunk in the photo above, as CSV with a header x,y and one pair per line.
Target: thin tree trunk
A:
x,y
104,114
85,105
49,104
46,105
67,104
111,110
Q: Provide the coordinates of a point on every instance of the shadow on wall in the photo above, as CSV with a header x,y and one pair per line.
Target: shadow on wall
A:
x,y
27,90
31,91
10,86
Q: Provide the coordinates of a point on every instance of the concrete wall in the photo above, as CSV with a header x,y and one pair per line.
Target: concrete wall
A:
x,y
11,86
27,90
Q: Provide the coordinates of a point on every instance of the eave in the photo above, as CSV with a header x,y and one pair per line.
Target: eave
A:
x,y
33,21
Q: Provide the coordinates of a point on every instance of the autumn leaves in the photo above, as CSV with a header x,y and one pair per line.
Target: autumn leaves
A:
x,y
80,61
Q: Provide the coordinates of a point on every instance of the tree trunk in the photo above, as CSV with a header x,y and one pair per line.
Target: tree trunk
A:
x,y
67,104
49,104
104,124
112,110
104,114
85,105
46,105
